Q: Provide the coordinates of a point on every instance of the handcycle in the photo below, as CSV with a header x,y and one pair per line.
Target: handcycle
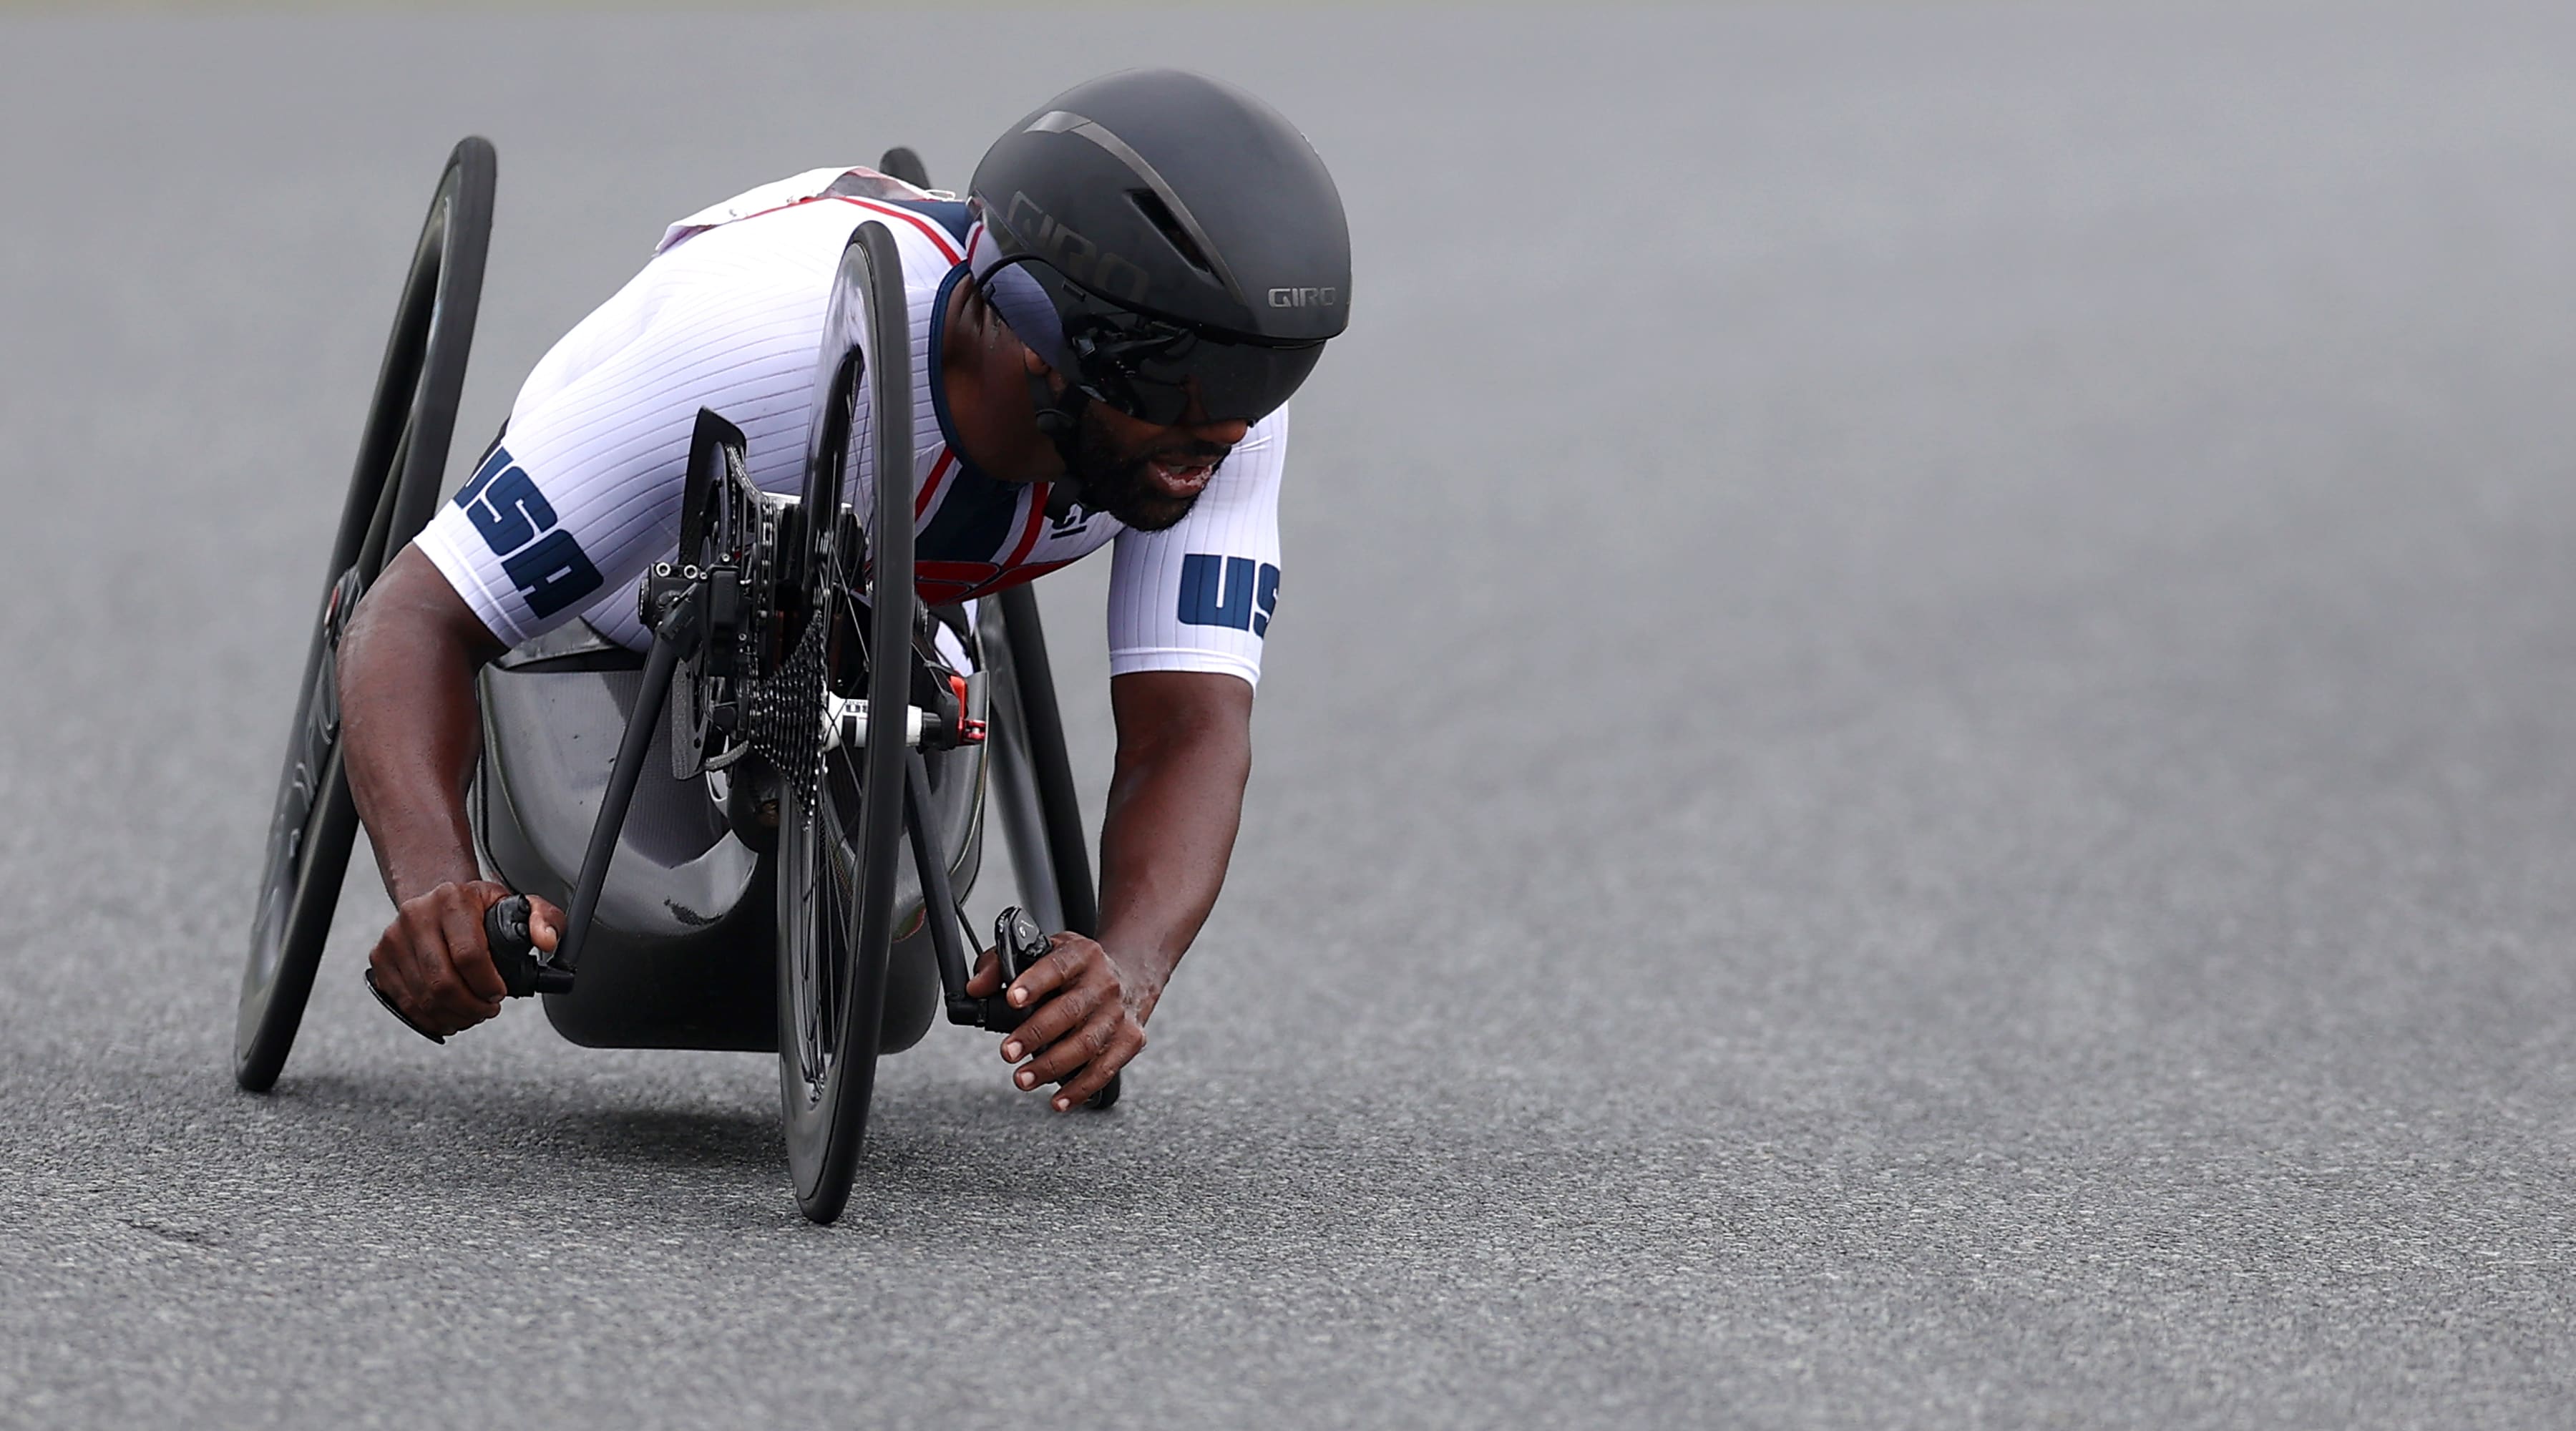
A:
x,y
736,878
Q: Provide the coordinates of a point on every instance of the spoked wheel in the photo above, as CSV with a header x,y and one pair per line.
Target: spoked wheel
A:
x,y
391,494
841,813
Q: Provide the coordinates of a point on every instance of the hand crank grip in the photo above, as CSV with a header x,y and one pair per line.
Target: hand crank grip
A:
x,y
505,930
1020,943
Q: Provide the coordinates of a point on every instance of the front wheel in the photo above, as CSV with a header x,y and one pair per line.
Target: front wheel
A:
x,y
400,463
841,812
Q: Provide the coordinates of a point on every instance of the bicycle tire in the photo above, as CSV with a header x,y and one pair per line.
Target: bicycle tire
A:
x,y
841,824
1011,789
1032,782
1041,735
394,487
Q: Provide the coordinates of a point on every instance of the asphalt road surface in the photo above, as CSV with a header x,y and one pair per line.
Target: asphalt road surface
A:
x,y
1919,766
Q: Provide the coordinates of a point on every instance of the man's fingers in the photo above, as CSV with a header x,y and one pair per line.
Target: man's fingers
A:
x,y
1080,1031
1063,964
460,925
432,962
1123,1048
545,924
393,975
439,996
1053,1018
986,981
1066,1055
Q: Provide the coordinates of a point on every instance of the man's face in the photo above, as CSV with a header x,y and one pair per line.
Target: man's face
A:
x,y
1148,477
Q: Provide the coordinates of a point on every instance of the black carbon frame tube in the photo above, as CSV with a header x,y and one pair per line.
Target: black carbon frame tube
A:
x,y
1067,844
930,859
674,631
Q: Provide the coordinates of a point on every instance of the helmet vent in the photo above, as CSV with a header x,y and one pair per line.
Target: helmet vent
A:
x,y
1159,214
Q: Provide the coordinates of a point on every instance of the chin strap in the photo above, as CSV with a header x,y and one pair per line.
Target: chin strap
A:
x,y
1059,417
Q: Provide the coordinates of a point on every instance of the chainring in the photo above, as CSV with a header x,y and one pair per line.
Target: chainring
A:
x,y
738,548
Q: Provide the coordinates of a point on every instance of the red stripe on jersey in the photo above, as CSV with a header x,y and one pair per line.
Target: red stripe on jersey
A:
x,y
1016,576
1037,521
942,582
929,230
929,487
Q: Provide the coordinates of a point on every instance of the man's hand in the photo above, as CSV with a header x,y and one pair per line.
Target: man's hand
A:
x,y
434,964
1086,1020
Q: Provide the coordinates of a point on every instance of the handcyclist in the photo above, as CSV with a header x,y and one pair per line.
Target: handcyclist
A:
x,y
1104,334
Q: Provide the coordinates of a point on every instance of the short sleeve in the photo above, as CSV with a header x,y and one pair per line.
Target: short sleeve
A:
x,y
1201,594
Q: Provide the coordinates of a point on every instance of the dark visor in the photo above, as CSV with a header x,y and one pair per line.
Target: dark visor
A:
x,y
1154,369
1167,374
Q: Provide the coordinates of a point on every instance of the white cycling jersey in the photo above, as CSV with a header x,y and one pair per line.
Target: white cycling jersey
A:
x,y
583,492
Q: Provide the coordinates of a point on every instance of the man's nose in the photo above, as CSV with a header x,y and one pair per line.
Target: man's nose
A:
x,y
1221,434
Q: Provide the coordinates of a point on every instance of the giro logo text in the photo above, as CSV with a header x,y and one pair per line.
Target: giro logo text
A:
x,y
518,524
1305,297
1229,591
1076,257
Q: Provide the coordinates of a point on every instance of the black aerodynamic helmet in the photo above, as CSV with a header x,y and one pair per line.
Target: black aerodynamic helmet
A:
x,y
1185,242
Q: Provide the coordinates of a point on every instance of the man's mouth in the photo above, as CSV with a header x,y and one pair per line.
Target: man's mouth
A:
x,y
1180,476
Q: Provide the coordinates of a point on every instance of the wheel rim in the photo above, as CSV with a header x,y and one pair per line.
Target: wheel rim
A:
x,y
313,823
836,889
820,914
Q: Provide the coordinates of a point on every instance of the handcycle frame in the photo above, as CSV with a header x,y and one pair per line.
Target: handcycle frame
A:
x,y
756,585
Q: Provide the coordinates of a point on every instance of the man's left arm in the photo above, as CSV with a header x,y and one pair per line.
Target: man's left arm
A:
x,y
1175,802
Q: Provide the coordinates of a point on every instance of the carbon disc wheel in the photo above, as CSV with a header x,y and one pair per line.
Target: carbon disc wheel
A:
x,y
391,494
841,813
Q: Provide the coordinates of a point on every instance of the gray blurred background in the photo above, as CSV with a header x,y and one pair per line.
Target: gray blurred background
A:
x,y
1915,770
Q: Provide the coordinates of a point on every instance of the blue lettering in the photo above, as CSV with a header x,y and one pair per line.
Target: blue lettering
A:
x,y
552,574
1216,591
1265,596
503,503
492,467
510,511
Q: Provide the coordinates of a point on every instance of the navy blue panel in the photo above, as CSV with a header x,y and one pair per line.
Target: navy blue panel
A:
x,y
973,521
948,214
937,375
975,518
1217,591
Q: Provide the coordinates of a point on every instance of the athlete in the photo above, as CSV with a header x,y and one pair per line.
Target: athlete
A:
x,y
1104,335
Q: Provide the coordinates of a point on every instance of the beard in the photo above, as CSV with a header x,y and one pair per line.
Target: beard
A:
x,y
1121,483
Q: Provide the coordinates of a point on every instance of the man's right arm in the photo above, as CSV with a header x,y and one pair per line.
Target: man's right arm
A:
x,y
410,736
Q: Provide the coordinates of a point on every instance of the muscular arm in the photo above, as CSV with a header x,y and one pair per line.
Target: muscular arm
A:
x,y
1175,802
1184,753
409,739
409,723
